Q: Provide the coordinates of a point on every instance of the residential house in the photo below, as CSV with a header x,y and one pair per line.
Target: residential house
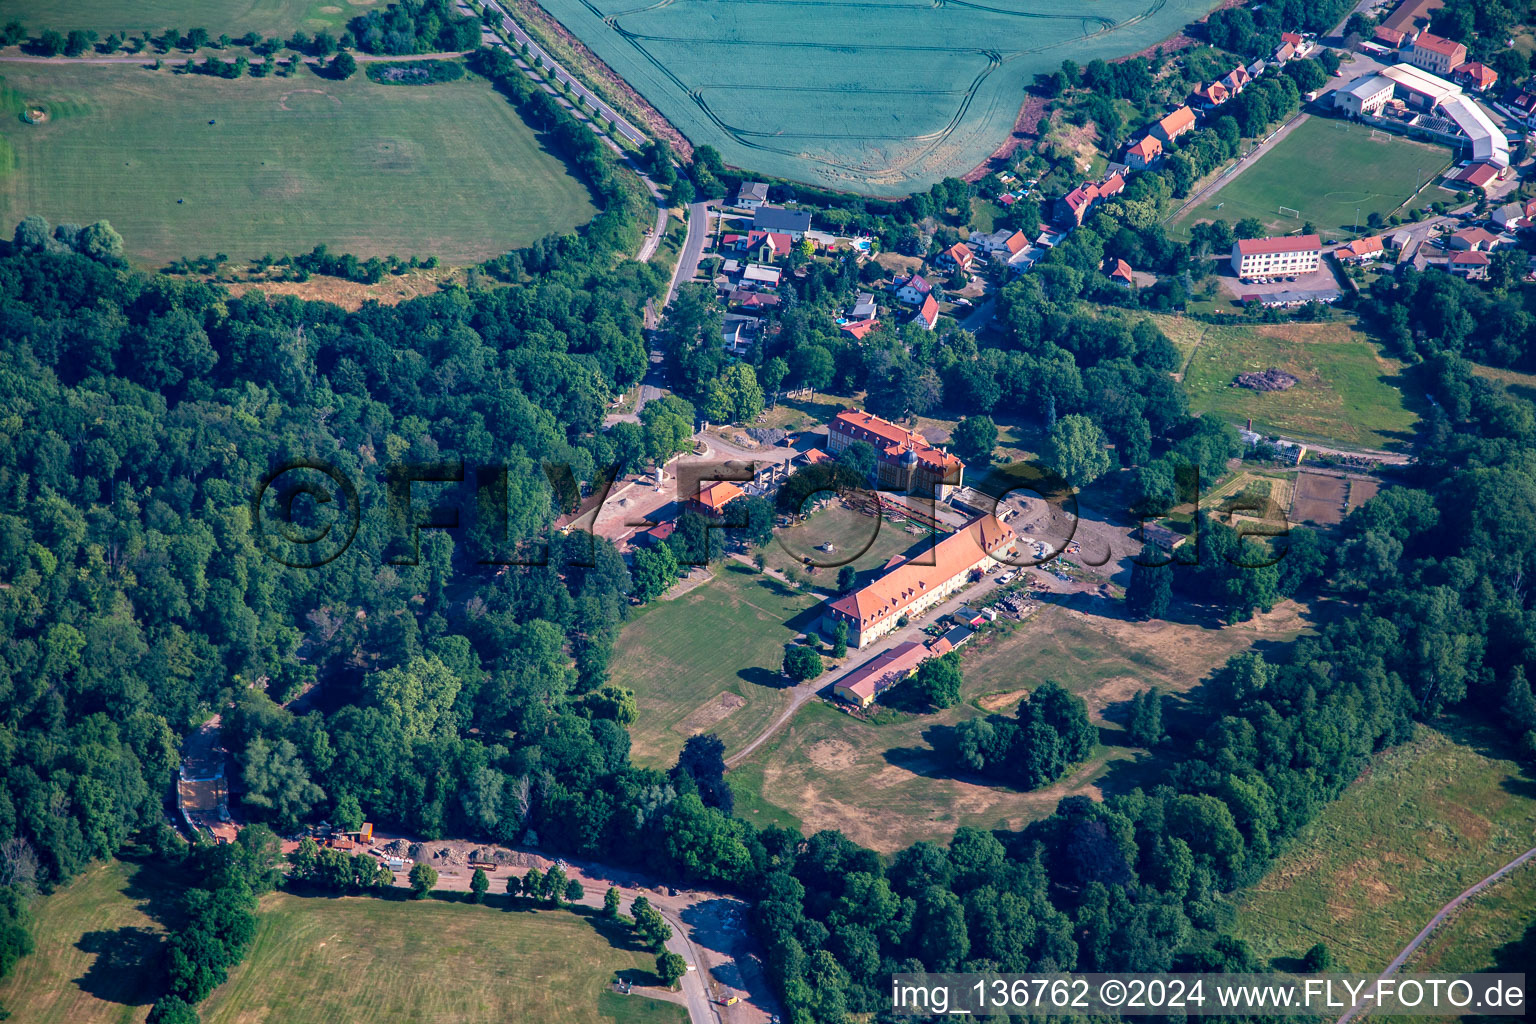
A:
x,y
753,300
904,460
1284,256
1515,216
739,333
861,686
1389,37
1145,152
912,587
751,194
859,328
794,223
766,246
1208,97
1173,125
1300,45
1473,265
1118,271
928,313
1435,54
1001,244
755,275
912,290
1522,104
961,256
1236,80
1074,207
1282,53
863,307
1473,239
1476,76
1361,250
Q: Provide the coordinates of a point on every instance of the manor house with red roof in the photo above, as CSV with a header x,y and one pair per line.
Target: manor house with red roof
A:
x,y
910,587
904,460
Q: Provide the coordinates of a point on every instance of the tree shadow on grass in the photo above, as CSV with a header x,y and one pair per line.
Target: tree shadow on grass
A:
x,y
765,677
127,968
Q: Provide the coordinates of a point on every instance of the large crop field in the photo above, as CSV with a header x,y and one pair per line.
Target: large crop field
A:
x,y
1347,392
1333,173
100,947
889,781
234,17
872,98
1425,821
193,165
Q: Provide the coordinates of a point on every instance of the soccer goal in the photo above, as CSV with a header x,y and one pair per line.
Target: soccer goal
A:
x,y
1286,211
1377,133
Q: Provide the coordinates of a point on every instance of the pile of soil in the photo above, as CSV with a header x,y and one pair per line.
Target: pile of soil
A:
x,y
399,848
1268,380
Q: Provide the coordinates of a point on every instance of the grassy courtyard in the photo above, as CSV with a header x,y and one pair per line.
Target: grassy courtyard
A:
x,y
1326,170
1421,824
234,17
888,781
1347,392
708,660
193,165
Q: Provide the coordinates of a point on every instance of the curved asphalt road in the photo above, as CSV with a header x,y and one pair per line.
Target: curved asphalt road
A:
x,y
1438,920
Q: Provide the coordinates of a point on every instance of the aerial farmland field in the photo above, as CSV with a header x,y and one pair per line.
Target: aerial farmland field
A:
x,y
235,17
190,165
878,98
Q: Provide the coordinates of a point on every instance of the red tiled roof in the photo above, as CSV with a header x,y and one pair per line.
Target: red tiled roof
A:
x,y
1119,270
929,311
1284,243
1479,174
1362,246
1016,243
1481,75
1390,36
960,253
1294,38
1180,120
716,496
879,672
1147,147
859,328
1437,44
1470,259
893,592
889,439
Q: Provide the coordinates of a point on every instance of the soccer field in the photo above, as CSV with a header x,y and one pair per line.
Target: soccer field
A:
x,y
234,17
872,98
187,165
1330,173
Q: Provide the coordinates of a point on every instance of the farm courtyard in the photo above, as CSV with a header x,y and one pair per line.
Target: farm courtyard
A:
x,y
1326,170
188,165
878,100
